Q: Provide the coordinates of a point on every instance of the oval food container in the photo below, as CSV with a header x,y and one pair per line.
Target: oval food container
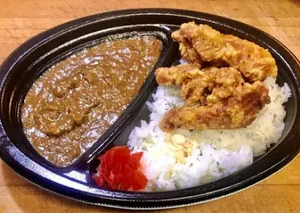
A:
x,y
25,65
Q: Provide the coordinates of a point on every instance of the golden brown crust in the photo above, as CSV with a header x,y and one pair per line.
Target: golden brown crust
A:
x,y
234,112
201,41
206,86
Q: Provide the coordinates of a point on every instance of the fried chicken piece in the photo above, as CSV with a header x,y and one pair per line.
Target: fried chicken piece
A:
x,y
234,112
205,87
186,48
201,43
174,76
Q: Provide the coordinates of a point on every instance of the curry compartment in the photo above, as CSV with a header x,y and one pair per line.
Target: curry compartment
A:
x,y
87,50
75,101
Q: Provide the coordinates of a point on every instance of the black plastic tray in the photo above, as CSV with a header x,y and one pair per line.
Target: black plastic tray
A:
x,y
26,63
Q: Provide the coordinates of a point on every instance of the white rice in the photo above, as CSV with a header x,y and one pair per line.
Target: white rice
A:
x,y
214,153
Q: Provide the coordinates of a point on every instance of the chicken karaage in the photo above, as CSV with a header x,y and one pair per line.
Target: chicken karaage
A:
x,y
205,87
234,112
201,43
222,84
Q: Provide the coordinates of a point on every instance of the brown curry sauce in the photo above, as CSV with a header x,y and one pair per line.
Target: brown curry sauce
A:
x,y
72,104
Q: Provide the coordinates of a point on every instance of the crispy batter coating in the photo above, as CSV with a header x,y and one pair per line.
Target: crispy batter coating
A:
x,y
234,112
201,43
204,87
186,48
170,76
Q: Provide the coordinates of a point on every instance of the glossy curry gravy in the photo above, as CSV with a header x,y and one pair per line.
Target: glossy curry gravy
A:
x,y
72,104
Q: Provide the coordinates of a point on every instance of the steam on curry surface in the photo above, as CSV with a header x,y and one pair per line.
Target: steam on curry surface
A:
x,y
72,104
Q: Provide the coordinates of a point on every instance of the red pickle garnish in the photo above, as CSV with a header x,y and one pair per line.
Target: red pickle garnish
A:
x,y
119,170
